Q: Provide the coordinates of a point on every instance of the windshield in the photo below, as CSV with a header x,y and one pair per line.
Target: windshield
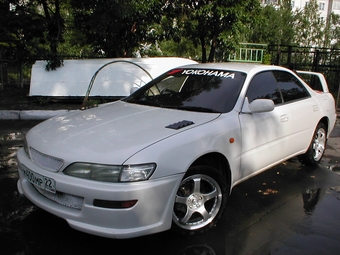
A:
x,y
193,90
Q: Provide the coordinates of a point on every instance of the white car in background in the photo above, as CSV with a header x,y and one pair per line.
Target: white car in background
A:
x,y
168,155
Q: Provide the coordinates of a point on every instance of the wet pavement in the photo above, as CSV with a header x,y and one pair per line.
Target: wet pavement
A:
x,y
289,209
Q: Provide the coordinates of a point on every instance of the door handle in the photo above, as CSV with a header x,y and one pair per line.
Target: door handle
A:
x,y
284,118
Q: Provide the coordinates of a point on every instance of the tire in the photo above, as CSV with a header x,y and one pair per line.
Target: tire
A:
x,y
316,148
200,201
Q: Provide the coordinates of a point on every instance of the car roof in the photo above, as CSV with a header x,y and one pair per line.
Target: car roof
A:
x,y
235,66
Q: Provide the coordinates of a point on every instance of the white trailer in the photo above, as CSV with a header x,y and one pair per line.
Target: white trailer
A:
x,y
113,77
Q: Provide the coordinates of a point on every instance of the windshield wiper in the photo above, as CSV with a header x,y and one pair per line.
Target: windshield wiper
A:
x,y
196,109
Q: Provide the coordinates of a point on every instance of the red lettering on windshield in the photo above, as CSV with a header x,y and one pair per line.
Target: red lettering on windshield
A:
x,y
174,71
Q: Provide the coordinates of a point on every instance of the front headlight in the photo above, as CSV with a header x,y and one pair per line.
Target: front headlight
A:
x,y
110,173
134,173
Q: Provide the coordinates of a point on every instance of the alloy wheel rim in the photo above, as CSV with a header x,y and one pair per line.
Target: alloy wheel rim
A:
x,y
319,144
198,201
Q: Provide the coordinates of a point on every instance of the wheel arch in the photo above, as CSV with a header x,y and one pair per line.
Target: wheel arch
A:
x,y
325,121
217,161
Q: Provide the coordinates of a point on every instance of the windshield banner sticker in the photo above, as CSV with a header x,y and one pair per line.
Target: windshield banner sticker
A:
x,y
209,73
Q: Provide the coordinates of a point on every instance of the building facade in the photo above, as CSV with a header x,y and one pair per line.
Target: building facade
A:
x,y
326,7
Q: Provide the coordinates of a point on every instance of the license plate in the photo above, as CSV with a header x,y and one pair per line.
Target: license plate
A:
x,y
39,180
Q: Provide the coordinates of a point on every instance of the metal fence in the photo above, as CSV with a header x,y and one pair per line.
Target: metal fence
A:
x,y
323,60
14,70
16,73
249,52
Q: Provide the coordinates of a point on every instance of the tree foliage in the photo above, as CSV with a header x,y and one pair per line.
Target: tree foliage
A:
x,y
205,30
115,27
274,25
212,24
37,26
280,25
332,32
54,29
20,27
309,26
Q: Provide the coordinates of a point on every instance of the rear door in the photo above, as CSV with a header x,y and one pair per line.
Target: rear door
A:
x,y
304,109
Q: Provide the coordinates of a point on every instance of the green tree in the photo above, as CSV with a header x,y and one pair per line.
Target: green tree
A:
x,y
183,48
213,25
309,26
6,17
36,25
115,28
274,25
19,23
332,31
54,24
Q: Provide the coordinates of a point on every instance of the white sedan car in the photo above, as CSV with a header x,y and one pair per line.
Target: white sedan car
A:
x,y
168,155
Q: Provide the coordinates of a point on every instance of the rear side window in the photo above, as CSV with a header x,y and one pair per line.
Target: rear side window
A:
x,y
291,88
264,86
312,80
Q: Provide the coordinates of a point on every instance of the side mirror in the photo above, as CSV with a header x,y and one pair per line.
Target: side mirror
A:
x,y
258,106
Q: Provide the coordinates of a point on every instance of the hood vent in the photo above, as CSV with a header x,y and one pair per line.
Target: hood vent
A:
x,y
181,124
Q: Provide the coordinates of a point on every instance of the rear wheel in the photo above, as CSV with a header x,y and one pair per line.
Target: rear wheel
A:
x,y
200,200
317,147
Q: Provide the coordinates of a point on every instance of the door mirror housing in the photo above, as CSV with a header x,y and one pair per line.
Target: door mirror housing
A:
x,y
258,106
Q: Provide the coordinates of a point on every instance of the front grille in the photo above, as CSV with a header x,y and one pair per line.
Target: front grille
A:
x,y
45,161
64,199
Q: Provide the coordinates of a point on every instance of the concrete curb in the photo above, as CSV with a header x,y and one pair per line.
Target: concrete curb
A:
x,y
30,114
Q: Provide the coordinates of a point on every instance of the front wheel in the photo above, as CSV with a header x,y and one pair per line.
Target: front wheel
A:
x,y
200,200
317,147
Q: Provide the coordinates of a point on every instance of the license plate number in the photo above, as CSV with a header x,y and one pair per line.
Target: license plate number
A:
x,y
39,180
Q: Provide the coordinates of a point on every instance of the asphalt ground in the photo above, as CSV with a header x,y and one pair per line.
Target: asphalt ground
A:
x,y
289,209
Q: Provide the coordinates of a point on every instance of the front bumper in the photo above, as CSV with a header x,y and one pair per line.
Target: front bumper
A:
x,y
151,214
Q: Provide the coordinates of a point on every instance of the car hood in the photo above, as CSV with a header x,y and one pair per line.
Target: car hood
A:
x,y
110,133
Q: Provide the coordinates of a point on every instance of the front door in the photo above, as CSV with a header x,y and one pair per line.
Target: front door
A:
x,y
264,135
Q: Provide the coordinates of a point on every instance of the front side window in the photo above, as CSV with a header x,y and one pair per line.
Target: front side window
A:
x,y
264,86
193,90
291,88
